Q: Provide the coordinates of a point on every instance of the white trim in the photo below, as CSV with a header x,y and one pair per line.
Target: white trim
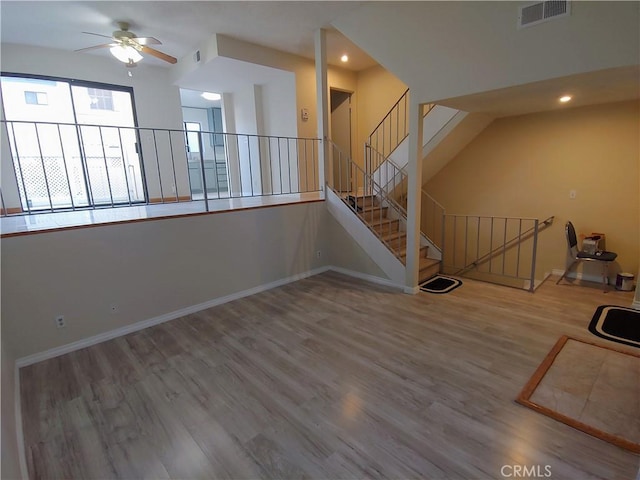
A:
x,y
636,305
536,283
411,290
366,277
22,458
134,327
580,276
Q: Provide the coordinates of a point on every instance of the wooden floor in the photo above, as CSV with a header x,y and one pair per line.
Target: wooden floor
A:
x,y
325,378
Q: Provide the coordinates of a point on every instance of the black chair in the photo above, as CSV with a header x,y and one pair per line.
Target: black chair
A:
x,y
605,258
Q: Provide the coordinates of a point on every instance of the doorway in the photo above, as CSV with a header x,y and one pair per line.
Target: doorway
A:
x,y
341,136
73,143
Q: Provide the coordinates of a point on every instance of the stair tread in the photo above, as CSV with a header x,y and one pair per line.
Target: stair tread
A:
x,y
403,252
428,262
370,208
394,235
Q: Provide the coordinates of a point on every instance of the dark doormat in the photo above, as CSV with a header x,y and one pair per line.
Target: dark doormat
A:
x,y
440,284
618,324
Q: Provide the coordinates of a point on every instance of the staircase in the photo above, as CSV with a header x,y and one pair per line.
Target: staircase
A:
x,y
389,231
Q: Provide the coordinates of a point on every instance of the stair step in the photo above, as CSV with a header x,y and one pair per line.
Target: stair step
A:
x,y
385,226
393,235
373,213
362,200
402,252
429,268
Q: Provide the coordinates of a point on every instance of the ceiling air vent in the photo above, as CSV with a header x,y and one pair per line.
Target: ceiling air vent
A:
x,y
539,12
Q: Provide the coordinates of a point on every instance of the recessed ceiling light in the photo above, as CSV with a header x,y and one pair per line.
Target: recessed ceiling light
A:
x,y
344,58
210,96
565,98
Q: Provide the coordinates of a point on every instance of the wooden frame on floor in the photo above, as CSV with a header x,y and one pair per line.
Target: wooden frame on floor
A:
x,y
530,387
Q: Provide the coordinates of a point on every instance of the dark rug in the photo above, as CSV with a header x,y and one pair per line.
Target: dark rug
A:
x,y
618,324
440,284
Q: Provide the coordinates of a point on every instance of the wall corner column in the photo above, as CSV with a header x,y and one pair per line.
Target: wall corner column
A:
x,y
414,189
322,104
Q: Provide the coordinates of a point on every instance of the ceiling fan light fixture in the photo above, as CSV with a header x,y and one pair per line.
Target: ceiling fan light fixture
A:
x,y
126,54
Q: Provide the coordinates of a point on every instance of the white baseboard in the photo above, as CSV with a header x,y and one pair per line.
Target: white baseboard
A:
x,y
536,283
366,277
134,327
635,305
411,290
580,276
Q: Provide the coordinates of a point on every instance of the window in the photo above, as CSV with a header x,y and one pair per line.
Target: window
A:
x,y
76,150
100,99
36,98
192,136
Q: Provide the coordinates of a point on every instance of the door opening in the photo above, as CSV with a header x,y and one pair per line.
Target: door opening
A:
x,y
341,136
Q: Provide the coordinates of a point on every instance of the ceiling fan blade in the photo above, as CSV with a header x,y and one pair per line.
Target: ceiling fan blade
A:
x,y
95,47
98,34
147,41
158,54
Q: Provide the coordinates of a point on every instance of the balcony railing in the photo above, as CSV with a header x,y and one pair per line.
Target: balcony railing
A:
x,y
49,167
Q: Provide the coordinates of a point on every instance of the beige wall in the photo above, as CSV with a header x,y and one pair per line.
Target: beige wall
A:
x,y
153,268
303,68
378,91
525,166
147,269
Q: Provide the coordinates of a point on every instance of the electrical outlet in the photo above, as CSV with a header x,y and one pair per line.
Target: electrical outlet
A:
x,y
318,254
572,194
60,321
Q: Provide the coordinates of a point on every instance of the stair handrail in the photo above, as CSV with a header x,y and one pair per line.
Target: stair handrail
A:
x,y
398,171
506,245
380,127
371,188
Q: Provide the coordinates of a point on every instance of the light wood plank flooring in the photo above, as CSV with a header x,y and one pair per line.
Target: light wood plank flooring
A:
x,y
325,378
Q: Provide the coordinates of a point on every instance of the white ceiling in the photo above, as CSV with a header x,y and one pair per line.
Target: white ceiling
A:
x,y
193,98
181,25
604,86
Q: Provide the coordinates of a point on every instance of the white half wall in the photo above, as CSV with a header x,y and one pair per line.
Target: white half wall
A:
x,y
147,269
374,248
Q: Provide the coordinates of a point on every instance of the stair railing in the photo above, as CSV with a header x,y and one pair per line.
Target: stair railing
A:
x,y
432,216
359,191
505,246
390,177
393,181
390,132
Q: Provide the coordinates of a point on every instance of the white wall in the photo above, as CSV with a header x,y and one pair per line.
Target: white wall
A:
x,y
157,104
157,100
447,49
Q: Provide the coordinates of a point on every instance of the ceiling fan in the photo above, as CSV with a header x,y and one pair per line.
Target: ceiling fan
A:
x,y
126,46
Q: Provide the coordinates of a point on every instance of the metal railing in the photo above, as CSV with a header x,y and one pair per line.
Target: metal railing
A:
x,y
432,216
494,248
393,181
63,166
368,200
390,132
